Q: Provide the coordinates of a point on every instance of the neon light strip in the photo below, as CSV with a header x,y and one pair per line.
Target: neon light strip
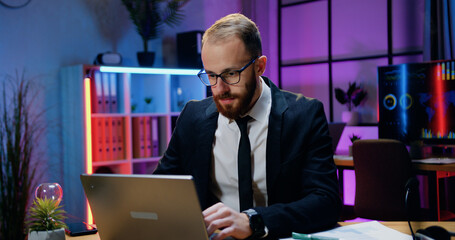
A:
x,y
439,105
88,139
138,70
88,127
403,91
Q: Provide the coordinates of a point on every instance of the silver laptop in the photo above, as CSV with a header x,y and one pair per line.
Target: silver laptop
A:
x,y
144,206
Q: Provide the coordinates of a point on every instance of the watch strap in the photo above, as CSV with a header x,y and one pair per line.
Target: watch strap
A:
x,y
256,224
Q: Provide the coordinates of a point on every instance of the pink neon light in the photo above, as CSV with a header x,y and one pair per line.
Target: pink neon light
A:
x,y
88,139
441,127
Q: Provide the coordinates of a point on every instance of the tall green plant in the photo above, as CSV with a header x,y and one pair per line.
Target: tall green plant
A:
x,y
149,16
19,127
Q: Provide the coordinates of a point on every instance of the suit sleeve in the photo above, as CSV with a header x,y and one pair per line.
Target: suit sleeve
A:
x,y
171,163
305,195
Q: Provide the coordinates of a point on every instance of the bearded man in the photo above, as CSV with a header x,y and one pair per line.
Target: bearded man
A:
x,y
260,157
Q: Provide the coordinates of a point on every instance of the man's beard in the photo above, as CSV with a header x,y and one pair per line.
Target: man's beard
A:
x,y
244,101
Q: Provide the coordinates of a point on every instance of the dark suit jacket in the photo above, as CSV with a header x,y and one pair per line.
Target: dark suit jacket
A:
x,y
302,183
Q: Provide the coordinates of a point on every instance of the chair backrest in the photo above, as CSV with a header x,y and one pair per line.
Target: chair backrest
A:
x,y
382,169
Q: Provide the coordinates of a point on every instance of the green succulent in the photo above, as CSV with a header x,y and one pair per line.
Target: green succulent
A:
x,y
354,138
45,215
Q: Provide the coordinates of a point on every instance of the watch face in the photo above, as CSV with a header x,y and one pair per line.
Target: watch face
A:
x,y
257,225
14,3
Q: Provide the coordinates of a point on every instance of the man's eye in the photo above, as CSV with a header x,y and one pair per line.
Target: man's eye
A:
x,y
230,74
212,75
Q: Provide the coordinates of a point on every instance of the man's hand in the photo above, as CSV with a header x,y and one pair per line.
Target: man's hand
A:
x,y
228,221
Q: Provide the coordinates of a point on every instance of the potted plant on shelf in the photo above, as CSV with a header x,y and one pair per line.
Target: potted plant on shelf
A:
x,y
46,220
352,98
149,17
20,128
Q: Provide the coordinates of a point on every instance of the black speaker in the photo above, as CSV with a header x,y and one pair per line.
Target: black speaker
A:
x,y
189,49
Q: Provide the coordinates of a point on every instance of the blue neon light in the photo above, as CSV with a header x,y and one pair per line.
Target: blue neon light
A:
x,y
403,86
138,70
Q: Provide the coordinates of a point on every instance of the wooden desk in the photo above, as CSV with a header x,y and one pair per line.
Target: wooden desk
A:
x,y
348,162
399,226
434,172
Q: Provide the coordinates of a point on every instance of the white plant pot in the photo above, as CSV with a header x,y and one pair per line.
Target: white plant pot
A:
x,y
58,234
350,118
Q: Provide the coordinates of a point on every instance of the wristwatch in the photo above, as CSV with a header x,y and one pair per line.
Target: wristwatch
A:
x,y
256,224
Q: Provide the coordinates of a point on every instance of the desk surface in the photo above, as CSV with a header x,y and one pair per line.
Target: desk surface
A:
x,y
346,161
399,226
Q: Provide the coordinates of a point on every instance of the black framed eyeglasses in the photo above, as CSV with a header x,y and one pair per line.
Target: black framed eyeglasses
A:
x,y
230,77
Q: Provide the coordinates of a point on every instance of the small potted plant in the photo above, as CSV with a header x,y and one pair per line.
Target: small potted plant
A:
x,y
45,220
149,17
352,98
353,138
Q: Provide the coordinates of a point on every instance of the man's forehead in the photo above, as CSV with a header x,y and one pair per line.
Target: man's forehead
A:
x,y
215,41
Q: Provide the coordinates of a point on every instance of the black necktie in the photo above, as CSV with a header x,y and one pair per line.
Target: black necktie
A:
x,y
244,166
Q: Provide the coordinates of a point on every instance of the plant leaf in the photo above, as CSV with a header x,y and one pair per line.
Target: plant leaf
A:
x,y
341,96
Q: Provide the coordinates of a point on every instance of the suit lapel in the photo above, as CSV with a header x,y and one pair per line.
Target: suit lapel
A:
x,y
208,128
273,163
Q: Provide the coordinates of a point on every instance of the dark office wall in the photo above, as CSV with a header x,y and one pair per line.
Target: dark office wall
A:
x,y
44,36
359,43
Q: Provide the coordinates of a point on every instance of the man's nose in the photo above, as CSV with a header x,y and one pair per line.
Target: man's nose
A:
x,y
221,85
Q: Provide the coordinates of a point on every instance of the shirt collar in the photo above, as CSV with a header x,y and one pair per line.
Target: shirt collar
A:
x,y
259,110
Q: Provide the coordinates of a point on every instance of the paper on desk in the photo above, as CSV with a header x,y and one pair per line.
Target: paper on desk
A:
x,y
435,160
361,231
342,157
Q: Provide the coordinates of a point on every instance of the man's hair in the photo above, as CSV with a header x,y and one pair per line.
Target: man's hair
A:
x,y
235,25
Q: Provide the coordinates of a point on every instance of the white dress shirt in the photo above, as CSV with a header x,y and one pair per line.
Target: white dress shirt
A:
x,y
225,148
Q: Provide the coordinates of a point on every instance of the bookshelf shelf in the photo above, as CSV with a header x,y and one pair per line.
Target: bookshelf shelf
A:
x,y
118,120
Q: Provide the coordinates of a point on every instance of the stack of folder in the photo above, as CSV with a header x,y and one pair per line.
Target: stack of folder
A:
x,y
145,137
104,95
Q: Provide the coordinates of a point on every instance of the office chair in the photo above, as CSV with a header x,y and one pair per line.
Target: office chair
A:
x,y
383,174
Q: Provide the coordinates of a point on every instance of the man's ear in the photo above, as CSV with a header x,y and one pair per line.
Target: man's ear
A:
x,y
261,62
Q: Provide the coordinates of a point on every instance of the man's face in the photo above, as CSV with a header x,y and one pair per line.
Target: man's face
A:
x,y
231,100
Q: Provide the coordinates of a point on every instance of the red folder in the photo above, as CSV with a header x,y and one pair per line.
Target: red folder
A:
x,y
120,138
138,137
114,138
147,137
108,138
97,139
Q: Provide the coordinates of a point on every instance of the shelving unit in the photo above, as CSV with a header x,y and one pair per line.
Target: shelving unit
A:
x,y
154,95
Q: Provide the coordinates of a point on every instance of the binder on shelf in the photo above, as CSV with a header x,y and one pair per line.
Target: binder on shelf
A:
x,y
98,139
113,136
120,136
147,137
97,93
106,97
108,139
113,93
138,137
155,137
